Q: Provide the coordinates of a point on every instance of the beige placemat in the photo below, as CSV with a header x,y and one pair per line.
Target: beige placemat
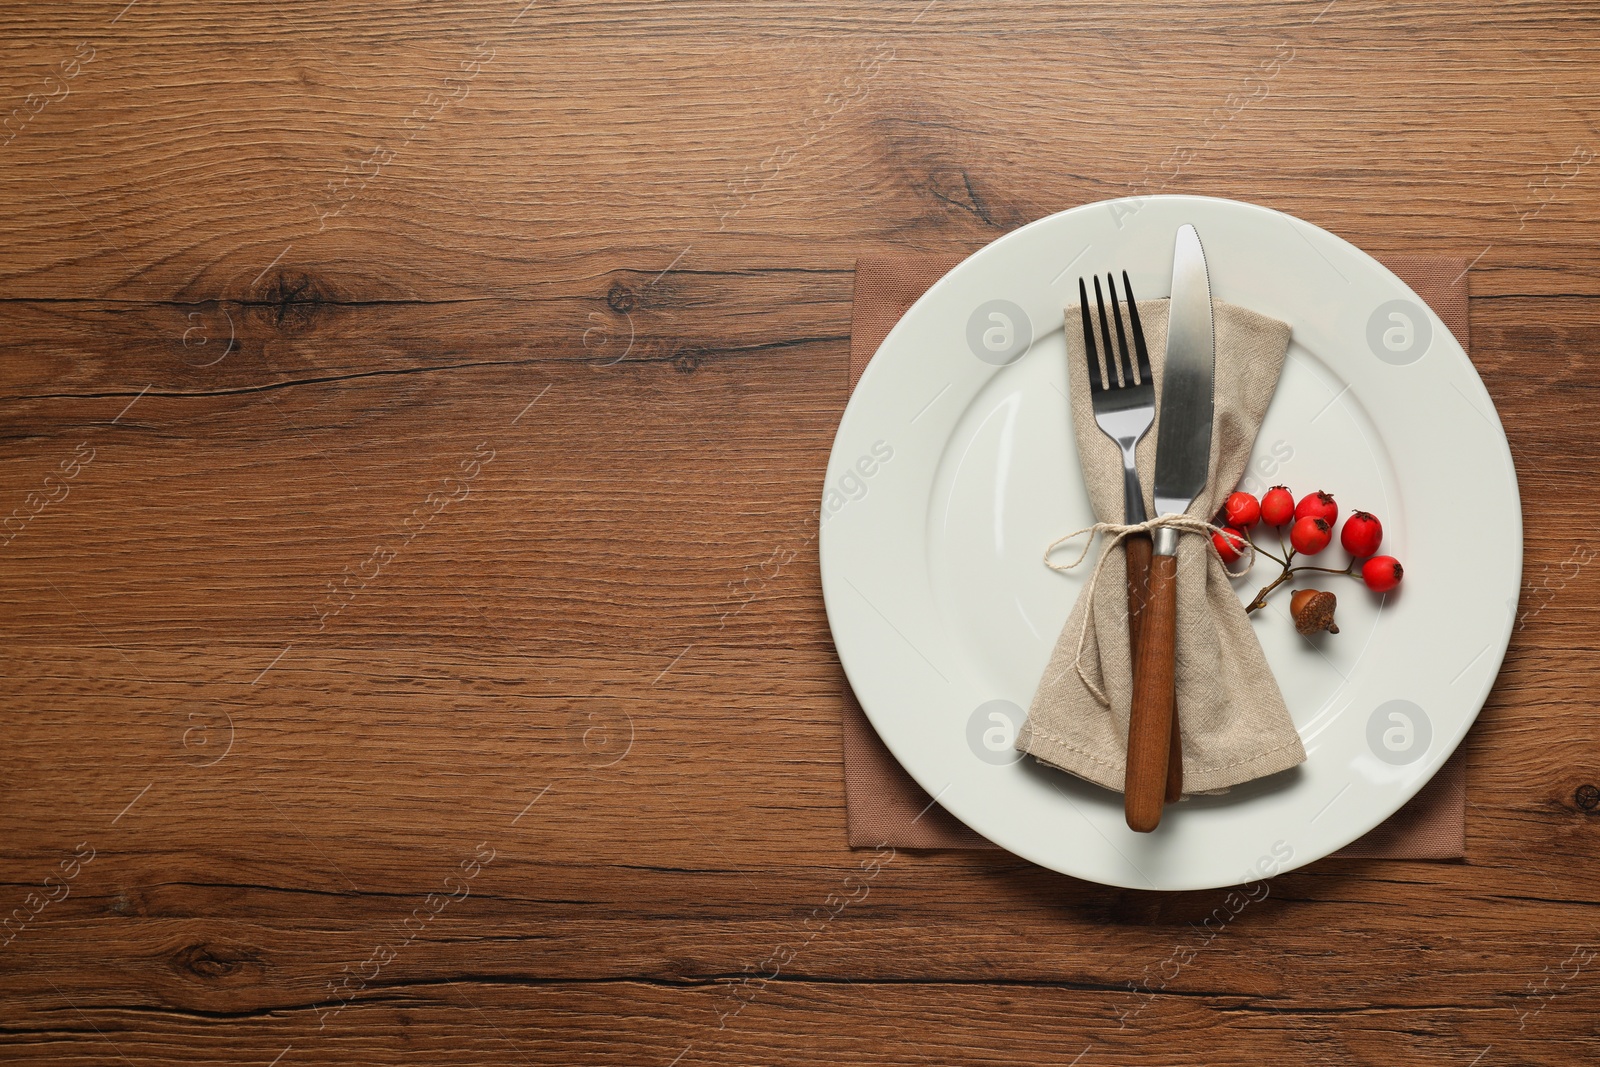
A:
x,y
884,805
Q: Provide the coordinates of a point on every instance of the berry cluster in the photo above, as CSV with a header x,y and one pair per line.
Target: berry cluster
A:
x,y
1309,525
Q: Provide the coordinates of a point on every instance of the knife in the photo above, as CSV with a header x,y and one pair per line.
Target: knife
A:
x,y
1183,454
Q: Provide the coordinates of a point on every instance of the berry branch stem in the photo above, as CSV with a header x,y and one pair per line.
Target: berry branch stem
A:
x,y
1289,571
1276,559
1261,598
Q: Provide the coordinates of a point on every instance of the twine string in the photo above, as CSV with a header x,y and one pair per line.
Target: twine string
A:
x,y
1120,532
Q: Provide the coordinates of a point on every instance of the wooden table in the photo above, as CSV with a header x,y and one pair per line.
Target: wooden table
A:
x,y
413,414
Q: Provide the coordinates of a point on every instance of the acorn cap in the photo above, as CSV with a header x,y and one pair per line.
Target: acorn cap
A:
x,y
1313,611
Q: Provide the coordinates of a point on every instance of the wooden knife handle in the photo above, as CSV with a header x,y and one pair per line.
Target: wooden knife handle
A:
x,y
1150,724
1138,548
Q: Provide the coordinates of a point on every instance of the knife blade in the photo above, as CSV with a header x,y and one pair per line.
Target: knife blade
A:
x,y
1183,456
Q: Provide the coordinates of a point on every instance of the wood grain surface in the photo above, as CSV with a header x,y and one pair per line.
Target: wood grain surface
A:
x,y
403,408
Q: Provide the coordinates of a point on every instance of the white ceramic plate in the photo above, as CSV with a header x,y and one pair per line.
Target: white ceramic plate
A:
x,y
954,466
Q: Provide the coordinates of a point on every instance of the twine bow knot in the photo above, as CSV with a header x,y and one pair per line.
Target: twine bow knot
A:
x,y
1120,532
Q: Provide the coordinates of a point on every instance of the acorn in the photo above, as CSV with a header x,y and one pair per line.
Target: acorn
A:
x,y
1313,611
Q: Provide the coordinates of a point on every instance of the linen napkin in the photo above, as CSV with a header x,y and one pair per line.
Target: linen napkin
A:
x,y
883,803
1234,722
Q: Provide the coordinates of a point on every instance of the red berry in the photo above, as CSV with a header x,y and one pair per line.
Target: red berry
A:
x,y
1362,534
1243,510
1277,506
1381,573
1310,535
1318,505
1230,543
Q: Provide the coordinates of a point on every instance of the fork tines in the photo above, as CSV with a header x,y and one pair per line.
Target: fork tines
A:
x,y
1113,368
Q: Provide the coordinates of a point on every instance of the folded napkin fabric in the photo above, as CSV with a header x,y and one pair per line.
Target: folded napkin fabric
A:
x,y
1234,723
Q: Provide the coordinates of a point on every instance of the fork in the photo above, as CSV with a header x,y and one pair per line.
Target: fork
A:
x,y
1123,396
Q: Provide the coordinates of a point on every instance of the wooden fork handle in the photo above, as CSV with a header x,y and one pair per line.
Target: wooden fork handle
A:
x,y
1150,724
1138,548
